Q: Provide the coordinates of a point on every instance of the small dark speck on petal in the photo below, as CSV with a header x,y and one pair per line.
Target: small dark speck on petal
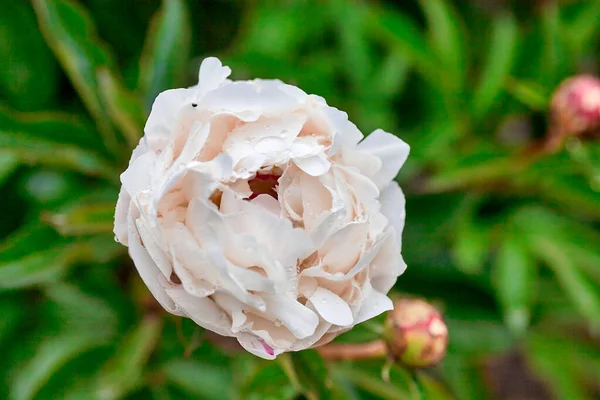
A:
x,y
194,105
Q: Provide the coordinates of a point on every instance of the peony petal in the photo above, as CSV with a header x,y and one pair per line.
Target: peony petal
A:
x,y
212,74
342,250
147,267
393,206
374,303
257,346
392,151
299,319
316,165
331,307
121,211
202,310
165,113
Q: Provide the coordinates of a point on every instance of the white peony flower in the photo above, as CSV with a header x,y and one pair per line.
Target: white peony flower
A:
x,y
261,213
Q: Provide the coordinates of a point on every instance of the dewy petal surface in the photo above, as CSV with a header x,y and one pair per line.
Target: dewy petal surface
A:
x,y
262,213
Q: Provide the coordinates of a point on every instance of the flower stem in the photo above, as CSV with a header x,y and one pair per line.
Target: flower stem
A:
x,y
353,351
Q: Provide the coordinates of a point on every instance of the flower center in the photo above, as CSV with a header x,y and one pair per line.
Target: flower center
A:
x,y
264,184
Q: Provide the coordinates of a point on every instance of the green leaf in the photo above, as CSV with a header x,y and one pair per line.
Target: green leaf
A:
x,y
406,38
84,218
12,314
53,126
28,70
75,306
543,354
371,383
514,278
70,33
584,27
200,379
269,383
166,51
35,151
313,374
583,294
124,108
124,372
499,61
471,238
529,93
51,355
8,164
50,263
34,269
447,40
555,59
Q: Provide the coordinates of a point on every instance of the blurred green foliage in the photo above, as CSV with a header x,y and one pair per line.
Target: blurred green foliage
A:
x,y
507,244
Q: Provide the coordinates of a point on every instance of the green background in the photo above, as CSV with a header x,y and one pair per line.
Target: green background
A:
x,y
504,241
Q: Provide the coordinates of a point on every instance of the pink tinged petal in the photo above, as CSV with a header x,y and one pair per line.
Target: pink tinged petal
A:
x,y
393,207
202,310
267,348
164,115
255,345
374,303
392,151
147,267
331,307
212,74
299,319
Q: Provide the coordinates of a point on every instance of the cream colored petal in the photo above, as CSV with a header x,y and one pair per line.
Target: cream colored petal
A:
x,y
392,151
146,267
331,307
393,207
202,310
299,319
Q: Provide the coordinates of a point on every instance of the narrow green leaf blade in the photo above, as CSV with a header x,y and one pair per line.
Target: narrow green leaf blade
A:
x,y
50,356
36,151
123,106
406,38
70,33
124,372
514,278
28,70
202,380
8,164
583,294
84,218
166,51
499,61
447,40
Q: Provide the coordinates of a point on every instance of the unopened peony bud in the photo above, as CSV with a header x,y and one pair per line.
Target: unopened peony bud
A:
x,y
416,333
576,107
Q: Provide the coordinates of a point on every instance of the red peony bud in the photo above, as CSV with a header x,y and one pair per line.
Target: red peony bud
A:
x,y
575,108
416,334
